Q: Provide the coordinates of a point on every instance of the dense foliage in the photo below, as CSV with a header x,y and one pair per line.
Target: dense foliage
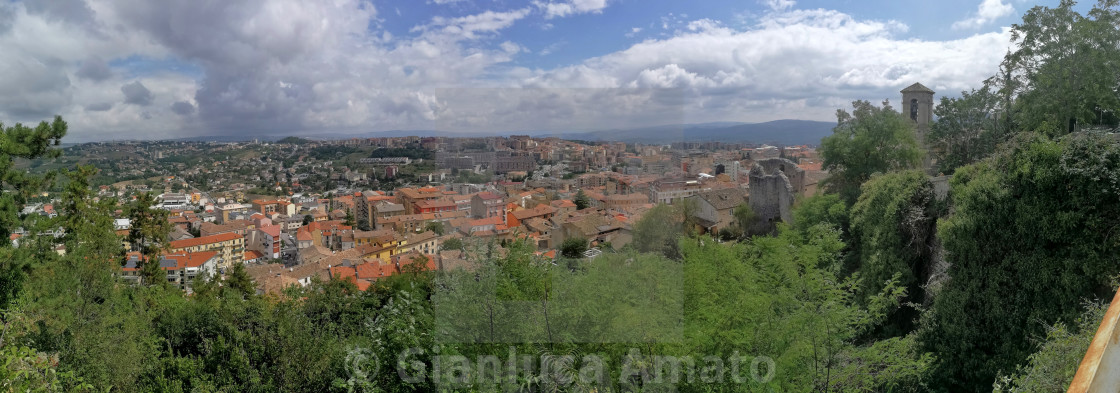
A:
x,y
968,128
892,237
1030,238
414,151
868,140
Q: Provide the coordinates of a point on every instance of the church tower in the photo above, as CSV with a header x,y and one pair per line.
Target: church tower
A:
x,y
917,105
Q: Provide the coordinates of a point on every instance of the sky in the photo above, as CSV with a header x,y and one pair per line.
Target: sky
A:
x,y
141,69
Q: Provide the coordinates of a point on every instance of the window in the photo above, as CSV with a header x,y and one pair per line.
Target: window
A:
x,y
914,109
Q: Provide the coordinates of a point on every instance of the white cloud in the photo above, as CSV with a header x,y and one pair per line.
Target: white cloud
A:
x,y
560,9
779,5
798,64
469,27
988,11
292,66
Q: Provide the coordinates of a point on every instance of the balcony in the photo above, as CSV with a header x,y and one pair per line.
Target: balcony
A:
x,y
1100,369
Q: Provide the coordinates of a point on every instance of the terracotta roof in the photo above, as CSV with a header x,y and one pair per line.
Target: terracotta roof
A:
x,y
343,272
563,203
540,210
198,241
302,235
252,254
271,230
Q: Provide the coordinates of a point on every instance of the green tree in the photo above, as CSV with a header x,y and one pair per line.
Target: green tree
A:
x,y
743,220
866,141
968,128
657,231
1030,237
240,282
307,219
21,142
451,244
148,234
821,209
892,232
1052,368
436,227
1066,67
573,247
363,223
349,220
581,200
687,209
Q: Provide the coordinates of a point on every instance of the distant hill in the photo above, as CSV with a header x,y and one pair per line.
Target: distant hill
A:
x,y
781,132
295,140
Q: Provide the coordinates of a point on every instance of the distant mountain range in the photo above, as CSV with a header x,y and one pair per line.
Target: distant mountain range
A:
x,y
779,132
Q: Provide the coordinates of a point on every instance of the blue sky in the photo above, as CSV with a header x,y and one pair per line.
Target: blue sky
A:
x,y
118,69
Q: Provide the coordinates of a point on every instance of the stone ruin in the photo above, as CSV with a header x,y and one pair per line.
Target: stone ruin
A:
x,y
774,184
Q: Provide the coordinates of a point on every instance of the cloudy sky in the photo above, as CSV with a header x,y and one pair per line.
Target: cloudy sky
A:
x,y
118,69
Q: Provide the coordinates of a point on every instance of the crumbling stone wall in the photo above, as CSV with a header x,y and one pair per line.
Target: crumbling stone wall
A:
x,y
774,183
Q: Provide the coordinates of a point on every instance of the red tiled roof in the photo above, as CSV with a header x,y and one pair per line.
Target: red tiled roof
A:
x,y
363,285
343,272
303,234
563,203
252,254
486,221
271,230
198,241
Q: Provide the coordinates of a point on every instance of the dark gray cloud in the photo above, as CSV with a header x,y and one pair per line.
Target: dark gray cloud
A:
x,y
135,93
7,17
95,69
259,64
33,89
71,11
99,107
182,108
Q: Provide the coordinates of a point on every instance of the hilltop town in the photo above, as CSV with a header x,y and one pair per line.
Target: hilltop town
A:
x,y
363,209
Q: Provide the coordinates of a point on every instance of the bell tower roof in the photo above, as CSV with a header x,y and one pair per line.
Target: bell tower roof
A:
x,y
917,88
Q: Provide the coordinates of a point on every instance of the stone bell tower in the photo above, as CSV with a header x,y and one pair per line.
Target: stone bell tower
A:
x,y
917,105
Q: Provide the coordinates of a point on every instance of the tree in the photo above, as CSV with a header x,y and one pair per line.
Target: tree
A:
x,y
687,209
869,140
743,220
148,234
581,200
451,244
573,247
22,142
436,227
349,219
657,231
240,282
819,209
968,128
1032,234
1066,67
1052,368
307,219
363,223
892,234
